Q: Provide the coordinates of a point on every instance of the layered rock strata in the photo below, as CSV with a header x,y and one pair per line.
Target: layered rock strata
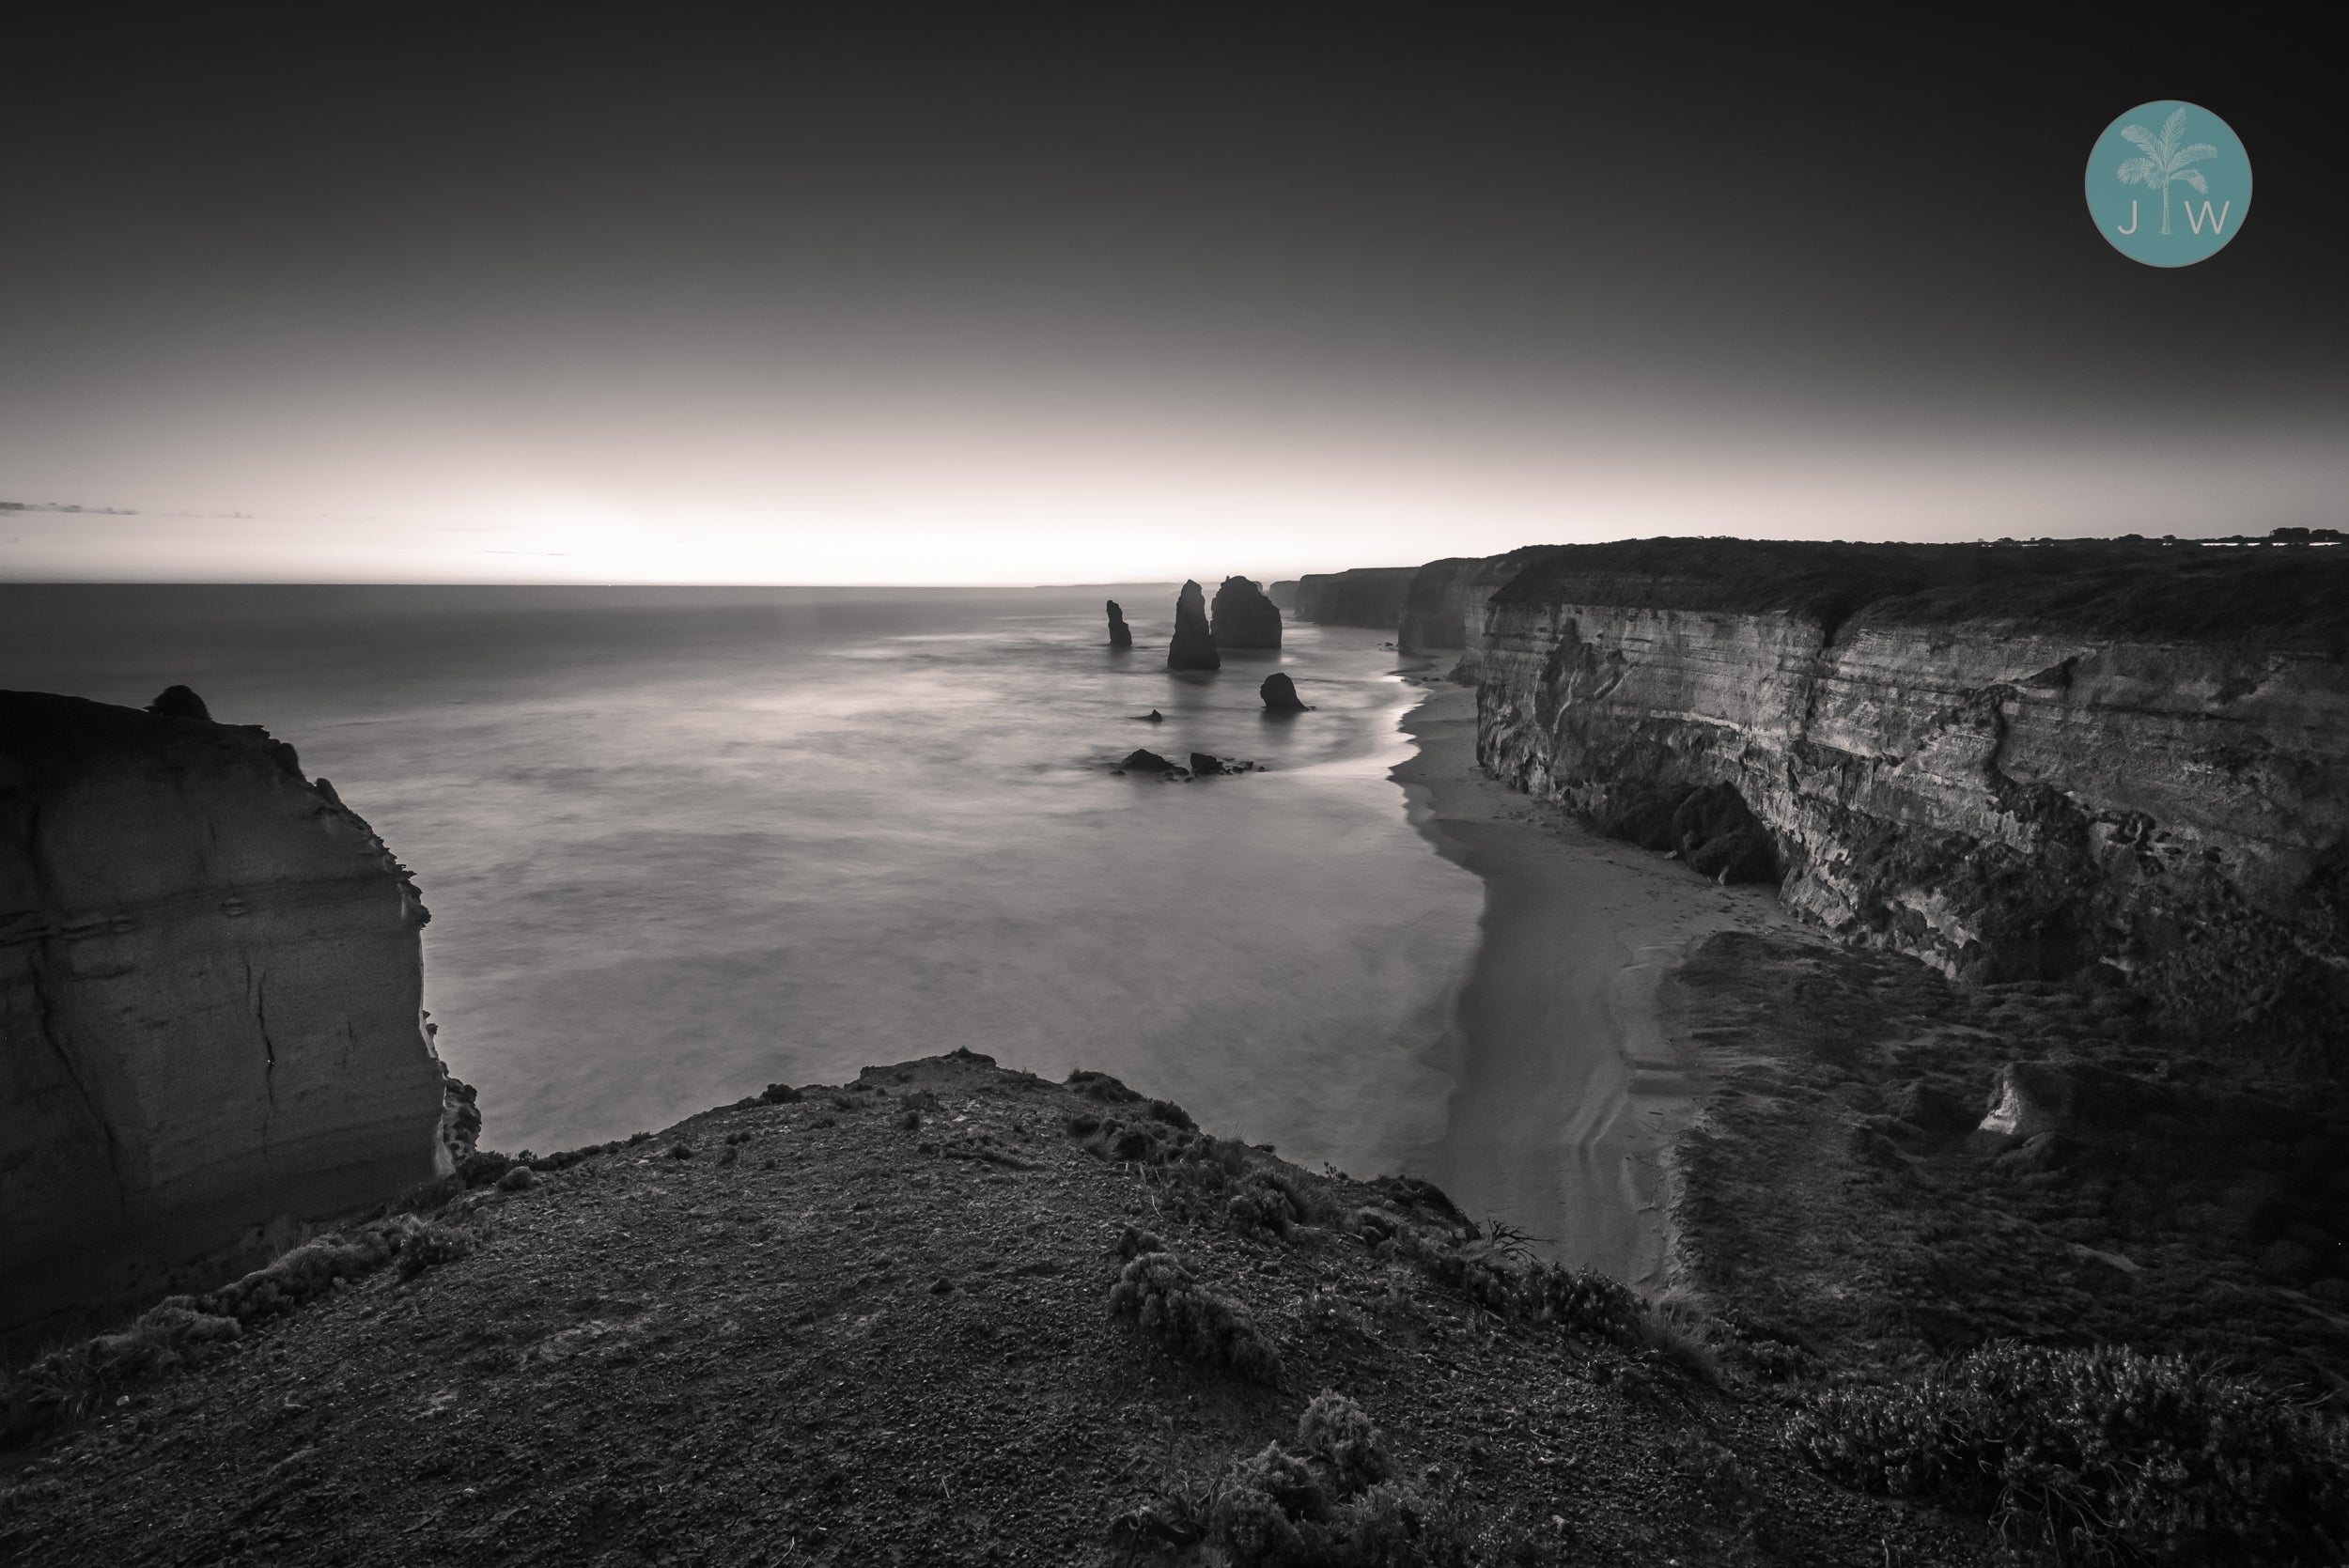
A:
x,y
1193,645
2119,760
1244,618
211,979
1367,596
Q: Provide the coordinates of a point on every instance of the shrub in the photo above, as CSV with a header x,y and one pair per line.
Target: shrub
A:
x,y
483,1167
185,1330
780,1093
2096,1456
1100,1086
1331,1503
431,1247
1156,1290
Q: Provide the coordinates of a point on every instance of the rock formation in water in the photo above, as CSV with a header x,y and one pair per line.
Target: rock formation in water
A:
x,y
1367,596
1121,635
1193,647
1141,760
1280,693
210,975
2012,762
178,702
1284,596
1244,618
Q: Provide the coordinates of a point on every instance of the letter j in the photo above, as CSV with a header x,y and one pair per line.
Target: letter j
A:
x,y
2132,229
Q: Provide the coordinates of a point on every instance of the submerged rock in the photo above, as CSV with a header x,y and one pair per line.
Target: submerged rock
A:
x,y
178,702
1193,647
1244,618
1279,694
1206,765
1121,635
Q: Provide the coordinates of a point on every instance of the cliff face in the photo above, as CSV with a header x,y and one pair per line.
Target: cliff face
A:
x,y
2013,763
210,978
1444,608
1436,606
1244,618
1367,595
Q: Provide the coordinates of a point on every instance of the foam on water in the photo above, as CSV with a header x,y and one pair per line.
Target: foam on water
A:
x,y
680,844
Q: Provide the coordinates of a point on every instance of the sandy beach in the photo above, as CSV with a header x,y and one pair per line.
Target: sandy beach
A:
x,y
1567,1087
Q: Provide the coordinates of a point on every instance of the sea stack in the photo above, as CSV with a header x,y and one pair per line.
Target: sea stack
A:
x,y
1279,694
1244,618
210,1001
1193,647
1121,635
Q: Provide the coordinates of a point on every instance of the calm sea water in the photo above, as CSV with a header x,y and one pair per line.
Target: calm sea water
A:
x,y
679,843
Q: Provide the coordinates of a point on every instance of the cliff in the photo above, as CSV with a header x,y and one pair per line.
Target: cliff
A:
x,y
1283,595
1436,606
1244,617
2114,760
1367,596
1444,607
211,974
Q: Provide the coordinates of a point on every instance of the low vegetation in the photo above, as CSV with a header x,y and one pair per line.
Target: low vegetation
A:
x,y
2096,1456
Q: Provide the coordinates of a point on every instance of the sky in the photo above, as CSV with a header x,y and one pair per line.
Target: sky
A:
x,y
1131,296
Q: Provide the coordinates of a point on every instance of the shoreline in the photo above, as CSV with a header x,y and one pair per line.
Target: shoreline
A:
x,y
1568,1088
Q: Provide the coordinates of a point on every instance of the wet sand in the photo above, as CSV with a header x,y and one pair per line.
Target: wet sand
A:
x,y
1567,1087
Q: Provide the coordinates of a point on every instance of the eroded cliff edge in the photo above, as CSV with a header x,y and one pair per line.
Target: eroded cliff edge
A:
x,y
2106,759
210,985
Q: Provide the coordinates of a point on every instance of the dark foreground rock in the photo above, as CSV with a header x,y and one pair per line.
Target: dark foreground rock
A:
x,y
1280,693
1208,766
1194,645
1244,618
945,1314
1121,635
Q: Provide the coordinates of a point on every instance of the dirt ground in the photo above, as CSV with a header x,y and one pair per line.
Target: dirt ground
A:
x,y
869,1326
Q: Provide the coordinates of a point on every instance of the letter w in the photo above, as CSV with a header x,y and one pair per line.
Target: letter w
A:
x,y
2218,224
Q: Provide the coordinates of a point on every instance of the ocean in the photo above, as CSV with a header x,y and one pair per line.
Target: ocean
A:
x,y
679,843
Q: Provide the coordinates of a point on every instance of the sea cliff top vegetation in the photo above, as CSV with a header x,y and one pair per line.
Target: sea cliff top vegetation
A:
x,y
2287,591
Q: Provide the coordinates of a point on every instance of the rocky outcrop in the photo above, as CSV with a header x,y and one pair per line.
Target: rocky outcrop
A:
x,y
1244,618
2012,762
1280,693
1121,635
1193,647
210,978
1367,595
1142,760
1283,595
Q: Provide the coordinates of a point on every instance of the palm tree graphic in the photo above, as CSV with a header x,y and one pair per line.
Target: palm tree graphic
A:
x,y
2166,160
